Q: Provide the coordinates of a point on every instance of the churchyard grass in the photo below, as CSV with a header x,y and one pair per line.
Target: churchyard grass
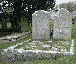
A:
x,y
58,60
52,24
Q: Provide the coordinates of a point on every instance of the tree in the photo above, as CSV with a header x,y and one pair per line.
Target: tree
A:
x,y
62,5
36,5
20,10
4,14
7,7
70,6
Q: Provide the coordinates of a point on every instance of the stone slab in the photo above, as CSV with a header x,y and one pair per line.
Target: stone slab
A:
x,y
62,25
41,25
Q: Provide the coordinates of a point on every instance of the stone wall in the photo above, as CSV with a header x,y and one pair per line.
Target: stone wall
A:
x,y
41,25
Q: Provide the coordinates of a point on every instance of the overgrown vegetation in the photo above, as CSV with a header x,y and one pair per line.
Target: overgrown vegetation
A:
x,y
70,6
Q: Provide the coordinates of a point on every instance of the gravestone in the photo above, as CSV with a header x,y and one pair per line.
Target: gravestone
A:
x,y
62,24
41,25
52,12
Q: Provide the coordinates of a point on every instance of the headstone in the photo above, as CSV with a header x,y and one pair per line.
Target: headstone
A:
x,y
41,25
62,25
52,12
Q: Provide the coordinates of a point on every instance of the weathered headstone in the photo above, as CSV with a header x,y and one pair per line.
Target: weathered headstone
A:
x,y
41,25
52,12
62,24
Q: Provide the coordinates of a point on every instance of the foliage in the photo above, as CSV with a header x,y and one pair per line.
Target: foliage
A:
x,y
35,7
6,6
62,5
18,9
70,6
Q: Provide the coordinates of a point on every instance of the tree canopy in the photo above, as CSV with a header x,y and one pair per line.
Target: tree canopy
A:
x,y
32,5
35,4
27,8
70,6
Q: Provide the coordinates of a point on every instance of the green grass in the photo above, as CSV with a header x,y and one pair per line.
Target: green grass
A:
x,y
51,24
58,60
67,46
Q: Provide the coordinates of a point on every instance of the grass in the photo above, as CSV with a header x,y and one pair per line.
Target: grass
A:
x,y
58,60
67,46
52,24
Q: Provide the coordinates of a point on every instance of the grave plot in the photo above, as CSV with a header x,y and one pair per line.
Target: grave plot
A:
x,y
46,45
